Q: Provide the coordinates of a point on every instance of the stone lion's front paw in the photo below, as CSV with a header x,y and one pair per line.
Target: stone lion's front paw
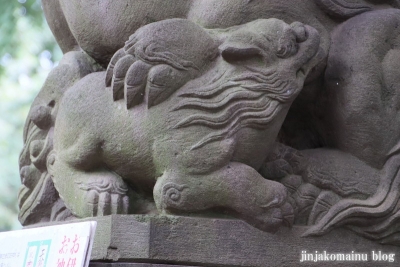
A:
x,y
105,196
154,63
129,76
126,75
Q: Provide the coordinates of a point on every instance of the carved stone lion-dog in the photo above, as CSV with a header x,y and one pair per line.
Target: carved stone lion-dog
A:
x,y
187,118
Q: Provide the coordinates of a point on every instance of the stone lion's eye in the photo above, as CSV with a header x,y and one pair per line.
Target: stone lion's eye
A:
x,y
281,50
284,51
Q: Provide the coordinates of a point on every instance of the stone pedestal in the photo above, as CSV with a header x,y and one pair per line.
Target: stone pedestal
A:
x,y
100,264
154,241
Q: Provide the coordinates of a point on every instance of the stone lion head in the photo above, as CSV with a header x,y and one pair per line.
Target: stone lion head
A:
x,y
260,70
242,76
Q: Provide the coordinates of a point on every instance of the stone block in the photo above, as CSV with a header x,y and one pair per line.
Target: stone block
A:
x,y
188,241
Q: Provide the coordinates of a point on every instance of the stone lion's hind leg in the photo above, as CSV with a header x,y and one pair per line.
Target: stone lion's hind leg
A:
x,y
235,188
88,193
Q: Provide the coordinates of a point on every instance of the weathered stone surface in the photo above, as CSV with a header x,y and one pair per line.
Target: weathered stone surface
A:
x,y
219,242
275,112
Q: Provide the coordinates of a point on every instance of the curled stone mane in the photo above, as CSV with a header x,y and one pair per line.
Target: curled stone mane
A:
x,y
230,103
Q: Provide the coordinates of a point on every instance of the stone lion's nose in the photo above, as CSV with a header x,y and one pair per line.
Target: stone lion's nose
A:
x,y
300,31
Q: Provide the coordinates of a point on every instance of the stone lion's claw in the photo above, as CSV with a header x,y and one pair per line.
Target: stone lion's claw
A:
x,y
115,204
119,73
92,198
125,205
110,69
104,204
119,204
135,83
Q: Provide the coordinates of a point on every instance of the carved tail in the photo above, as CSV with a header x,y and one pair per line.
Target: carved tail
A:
x,y
381,211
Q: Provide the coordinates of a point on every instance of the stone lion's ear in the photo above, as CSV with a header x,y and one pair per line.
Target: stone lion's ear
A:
x,y
238,51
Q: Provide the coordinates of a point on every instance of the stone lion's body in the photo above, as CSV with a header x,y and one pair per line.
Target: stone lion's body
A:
x,y
226,116
139,143
188,143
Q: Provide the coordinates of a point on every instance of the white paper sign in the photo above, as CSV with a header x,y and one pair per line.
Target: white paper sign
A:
x,y
67,245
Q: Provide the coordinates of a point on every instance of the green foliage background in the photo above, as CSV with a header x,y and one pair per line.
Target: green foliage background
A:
x,y
28,52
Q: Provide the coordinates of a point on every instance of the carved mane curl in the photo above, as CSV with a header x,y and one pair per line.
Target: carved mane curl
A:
x,y
230,103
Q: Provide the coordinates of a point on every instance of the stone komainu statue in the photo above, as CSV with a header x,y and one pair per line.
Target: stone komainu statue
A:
x,y
256,109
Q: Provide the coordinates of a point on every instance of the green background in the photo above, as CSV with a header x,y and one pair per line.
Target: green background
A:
x,y
28,52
